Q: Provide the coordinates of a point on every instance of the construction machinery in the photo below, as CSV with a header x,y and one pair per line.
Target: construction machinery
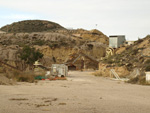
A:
x,y
70,61
9,66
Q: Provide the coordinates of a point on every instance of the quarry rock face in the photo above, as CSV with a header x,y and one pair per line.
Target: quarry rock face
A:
x,y
53,40
54,45
9,53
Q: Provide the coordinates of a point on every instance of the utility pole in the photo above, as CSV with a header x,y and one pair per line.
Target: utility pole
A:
x,y
96,26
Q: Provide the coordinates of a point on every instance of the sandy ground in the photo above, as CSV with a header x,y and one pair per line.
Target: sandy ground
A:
x,y
81,93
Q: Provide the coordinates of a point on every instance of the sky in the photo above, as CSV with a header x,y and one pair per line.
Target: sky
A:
x,y
112,17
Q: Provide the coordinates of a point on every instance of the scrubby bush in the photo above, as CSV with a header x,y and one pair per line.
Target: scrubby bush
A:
x,y
54,45
138,80
139,41
23,76
26,77
30,55
39,42
108,60
98,74
29,26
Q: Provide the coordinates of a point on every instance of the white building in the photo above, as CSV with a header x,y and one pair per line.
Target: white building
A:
x,y
116,40
130,42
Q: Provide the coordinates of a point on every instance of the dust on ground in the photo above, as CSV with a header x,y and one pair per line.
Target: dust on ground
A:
x,y
81,93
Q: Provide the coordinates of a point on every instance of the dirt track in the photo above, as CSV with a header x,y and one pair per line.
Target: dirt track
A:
x,y
81,93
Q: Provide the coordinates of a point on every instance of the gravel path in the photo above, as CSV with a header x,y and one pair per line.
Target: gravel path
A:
x,y
81,93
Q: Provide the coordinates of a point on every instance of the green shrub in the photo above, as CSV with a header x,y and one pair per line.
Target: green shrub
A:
x,y
39,42
108,60
30,55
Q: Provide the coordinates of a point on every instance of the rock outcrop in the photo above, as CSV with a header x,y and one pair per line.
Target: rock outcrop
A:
x,y
53,45
51,39
28,26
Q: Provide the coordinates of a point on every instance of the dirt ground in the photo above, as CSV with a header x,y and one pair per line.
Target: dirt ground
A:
x,y
81,93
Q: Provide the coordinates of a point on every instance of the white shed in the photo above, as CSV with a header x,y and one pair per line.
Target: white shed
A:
x,y
116,40
60,70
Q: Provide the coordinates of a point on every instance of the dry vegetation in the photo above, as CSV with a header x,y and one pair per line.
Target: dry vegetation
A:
x,y
132,57
138,80
15,76
29,26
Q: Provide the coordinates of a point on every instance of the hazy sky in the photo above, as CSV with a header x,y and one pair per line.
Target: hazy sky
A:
x,y
113,17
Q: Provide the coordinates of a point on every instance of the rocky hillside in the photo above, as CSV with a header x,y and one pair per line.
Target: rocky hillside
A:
x,y
55,44
129,61
136,56
51,44
29,26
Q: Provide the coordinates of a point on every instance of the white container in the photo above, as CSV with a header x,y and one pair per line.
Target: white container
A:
x,y
59,70
147,76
